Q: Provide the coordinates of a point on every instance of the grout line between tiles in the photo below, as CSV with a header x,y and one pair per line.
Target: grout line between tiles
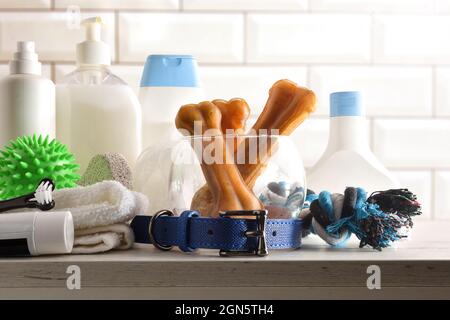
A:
x,y
433,203
372,39
231,11
433,92
116,37
308,76
245,38
371,134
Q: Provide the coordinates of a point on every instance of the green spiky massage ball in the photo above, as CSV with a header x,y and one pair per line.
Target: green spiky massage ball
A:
x,y
28,159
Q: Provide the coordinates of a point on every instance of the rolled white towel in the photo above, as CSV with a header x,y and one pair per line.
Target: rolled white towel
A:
x,y
102,239
101,213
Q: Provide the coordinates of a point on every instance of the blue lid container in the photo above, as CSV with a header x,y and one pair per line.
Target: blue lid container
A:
x,y
346,104
170,71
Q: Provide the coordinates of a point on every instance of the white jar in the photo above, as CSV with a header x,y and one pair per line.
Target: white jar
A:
x,y
27,100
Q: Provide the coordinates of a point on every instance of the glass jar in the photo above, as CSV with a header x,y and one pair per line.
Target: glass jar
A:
x,y
269,166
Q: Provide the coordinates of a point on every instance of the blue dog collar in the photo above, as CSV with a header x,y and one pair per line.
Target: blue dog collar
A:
x,y
232,236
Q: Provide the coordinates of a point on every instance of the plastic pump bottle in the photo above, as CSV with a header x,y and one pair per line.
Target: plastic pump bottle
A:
x,y
97,112
348,160
27,100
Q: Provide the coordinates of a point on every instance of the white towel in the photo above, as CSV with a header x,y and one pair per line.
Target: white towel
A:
x,y
101,239
100,214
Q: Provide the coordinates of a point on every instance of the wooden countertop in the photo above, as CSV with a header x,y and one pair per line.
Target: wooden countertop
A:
x,y
415,268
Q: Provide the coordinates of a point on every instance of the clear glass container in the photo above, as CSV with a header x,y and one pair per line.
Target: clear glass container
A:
x,y
269,166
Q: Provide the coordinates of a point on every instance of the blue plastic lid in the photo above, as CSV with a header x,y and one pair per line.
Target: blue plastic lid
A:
x,y
345,104
170,71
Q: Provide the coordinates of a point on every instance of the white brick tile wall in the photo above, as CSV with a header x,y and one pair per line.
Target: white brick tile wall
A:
x,y
418,39
412,95
443,91
441,198
250,83
119,4
25,4
412,143
396,52
211,38
308,38
245,4
401,6
311,138
54,40
442,6
420,183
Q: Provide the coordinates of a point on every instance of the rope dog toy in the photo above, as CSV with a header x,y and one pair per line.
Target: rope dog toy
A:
x,y
377,221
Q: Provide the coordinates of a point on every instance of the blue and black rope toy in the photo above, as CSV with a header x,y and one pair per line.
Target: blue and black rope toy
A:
x,y
377,221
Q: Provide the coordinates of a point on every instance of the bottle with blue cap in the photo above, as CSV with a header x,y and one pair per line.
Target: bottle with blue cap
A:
x,y
348,160
167,83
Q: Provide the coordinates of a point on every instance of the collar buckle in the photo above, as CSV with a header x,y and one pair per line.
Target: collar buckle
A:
x,y
260,232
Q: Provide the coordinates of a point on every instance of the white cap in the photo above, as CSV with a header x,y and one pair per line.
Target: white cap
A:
x,y
53,232
93,51
25,60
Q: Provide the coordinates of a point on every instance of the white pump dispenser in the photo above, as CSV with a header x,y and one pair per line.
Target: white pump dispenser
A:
x,y
93,51
96,111
348,160
27,100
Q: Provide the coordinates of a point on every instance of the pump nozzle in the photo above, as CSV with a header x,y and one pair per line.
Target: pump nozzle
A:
x,y
93,51
93,28
25,60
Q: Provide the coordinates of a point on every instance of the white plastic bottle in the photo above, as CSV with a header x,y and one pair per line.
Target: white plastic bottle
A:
x,y
27,100
36,233
348,160
96,111
167,83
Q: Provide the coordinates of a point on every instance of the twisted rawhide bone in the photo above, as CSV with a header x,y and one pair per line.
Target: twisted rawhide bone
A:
x,y
235,113
287,107
228,189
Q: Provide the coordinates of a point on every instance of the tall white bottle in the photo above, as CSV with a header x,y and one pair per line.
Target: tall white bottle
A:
x,y
96,111
348,160
27,100
167,83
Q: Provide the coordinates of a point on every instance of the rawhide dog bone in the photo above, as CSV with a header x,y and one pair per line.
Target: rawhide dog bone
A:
x,y
235,113
228,189
287,107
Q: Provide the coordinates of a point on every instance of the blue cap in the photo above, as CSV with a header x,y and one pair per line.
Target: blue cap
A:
x,y
170,71
345,104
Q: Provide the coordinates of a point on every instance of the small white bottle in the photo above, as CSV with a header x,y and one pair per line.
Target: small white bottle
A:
x,y
167,83
96,111
348,160
36,233
27,100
